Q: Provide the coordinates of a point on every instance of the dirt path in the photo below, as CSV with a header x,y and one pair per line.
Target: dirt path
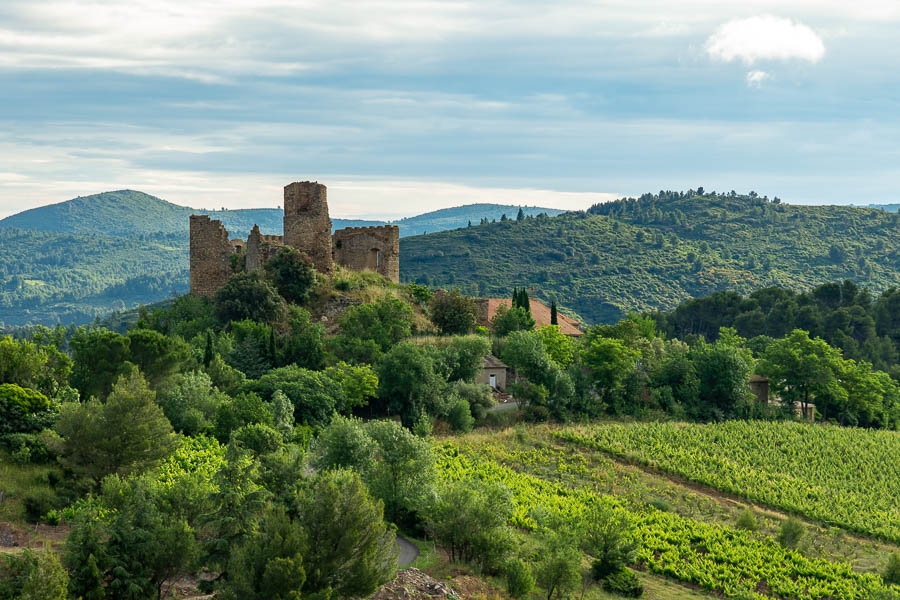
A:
x,y
408,552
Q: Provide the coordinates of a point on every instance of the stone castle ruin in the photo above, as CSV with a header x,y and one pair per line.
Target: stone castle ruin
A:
x,y
307,227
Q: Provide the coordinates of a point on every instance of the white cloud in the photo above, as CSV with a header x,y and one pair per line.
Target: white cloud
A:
x,y
756,78
765,38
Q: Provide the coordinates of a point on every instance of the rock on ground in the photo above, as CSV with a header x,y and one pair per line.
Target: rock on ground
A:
x,y
413,584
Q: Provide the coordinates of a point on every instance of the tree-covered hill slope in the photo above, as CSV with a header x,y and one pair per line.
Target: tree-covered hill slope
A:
x,y
657,251
48,278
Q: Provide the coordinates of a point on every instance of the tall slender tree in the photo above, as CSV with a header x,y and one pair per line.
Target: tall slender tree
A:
x,y
554,318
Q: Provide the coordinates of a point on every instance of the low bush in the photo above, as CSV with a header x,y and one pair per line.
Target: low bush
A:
x,y
747,520
790,533
624,583
26,448
32,576
891,573
460,416
38,504
519,580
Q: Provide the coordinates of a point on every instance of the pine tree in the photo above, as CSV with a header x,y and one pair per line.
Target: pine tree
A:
x,y
554,319
521,215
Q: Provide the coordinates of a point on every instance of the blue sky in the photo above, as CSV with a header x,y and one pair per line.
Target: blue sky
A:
x,y
402,107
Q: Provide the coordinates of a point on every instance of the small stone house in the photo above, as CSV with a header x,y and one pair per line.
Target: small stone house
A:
x,y
759,385
493,373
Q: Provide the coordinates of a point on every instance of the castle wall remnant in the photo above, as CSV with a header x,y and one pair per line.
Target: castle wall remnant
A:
x,y
261,247
374,248
307,227
211,252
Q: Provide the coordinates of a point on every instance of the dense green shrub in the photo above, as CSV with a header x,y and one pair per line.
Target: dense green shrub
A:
x,y
609,537
292,273
452,313
248,296
624,583
32,576
314,395
891,573
37,504
22,410
30,447
258,438
469,518
790,532
747,520
460,416
478,395
519,580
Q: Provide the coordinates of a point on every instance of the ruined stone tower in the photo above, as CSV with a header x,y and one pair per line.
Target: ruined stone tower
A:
x,y
374,248
210,255
307,226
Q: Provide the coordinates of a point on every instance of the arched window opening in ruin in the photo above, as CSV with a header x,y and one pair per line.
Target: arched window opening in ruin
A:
x,y
374,259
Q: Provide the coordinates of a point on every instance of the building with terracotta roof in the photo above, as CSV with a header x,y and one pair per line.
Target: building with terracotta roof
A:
x,y
486,308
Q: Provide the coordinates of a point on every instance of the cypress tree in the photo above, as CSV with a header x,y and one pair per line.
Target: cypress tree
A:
x,y
208,352
515,297
272,346
554,319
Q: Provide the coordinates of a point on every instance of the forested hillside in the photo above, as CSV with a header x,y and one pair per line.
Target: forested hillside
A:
x,y
659,250
51,278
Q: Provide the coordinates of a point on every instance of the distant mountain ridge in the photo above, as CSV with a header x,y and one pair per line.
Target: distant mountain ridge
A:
x,y
887,207
80,259
129,212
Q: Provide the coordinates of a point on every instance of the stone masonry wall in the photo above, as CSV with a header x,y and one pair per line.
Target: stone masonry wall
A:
x,y
210,262
374,248
307,226
261,248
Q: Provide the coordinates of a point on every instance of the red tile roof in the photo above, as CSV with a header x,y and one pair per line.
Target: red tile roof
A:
x,y
540,312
